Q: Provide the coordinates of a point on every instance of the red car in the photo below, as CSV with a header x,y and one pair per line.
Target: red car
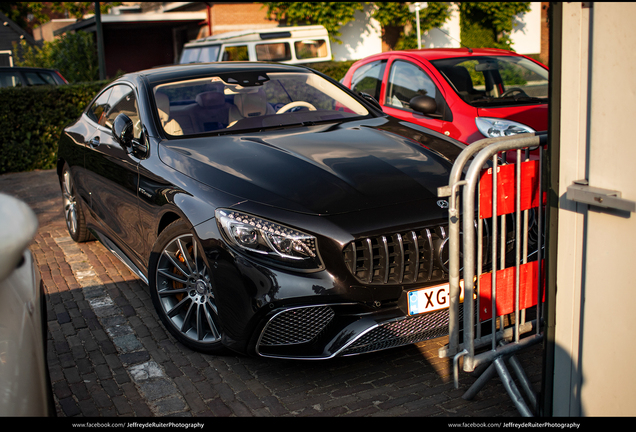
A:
x,y
467,94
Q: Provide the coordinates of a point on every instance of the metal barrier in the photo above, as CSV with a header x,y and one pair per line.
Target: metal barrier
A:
x,y
502,276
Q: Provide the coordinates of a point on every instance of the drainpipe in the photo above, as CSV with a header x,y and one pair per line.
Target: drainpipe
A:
x,y
209,10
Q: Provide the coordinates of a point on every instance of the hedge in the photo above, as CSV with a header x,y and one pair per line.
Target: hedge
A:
x,y
32,118
333,69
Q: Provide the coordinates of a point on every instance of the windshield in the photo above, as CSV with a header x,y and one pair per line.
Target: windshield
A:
x,y
496,80
251,100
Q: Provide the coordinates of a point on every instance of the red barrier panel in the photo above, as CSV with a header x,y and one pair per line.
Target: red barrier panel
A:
x,y
505,303
506,188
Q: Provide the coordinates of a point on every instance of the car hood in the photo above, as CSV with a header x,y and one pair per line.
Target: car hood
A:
x,y
535,116
325,169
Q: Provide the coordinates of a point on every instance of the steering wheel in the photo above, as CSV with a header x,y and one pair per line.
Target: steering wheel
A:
x,y
512,91
294,105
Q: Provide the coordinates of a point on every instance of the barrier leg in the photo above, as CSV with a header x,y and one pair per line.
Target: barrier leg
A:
x,y
524,381
486,376
511,387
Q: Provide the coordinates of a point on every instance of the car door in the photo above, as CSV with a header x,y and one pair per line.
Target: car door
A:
x,y
405,80
112,173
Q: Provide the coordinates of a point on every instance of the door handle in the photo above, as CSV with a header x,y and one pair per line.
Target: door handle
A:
x,y
580,191
94,142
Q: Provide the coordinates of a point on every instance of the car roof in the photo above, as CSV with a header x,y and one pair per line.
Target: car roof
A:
x,y
185,71
26,68
443,53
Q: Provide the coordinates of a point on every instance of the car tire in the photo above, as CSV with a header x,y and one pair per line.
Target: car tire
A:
x,y
73,213
182,291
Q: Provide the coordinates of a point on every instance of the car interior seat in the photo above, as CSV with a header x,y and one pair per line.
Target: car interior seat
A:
x,y
213,111
460,78
171,126
247,105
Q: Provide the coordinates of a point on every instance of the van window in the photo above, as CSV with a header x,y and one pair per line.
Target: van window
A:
x,y
279,51
236,53
209,53
310,48
190,55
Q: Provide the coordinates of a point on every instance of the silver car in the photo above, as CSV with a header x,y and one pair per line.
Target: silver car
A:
x,y
24,382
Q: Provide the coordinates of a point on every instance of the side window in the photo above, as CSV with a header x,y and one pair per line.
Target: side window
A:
x,y
279,51
10,79
236,53
97,111
35,78
368,79
406,81
122,101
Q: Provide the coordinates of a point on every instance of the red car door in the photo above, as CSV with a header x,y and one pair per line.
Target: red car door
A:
x,y
405,79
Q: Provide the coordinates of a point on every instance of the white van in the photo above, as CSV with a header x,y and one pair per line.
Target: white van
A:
x,y
294,45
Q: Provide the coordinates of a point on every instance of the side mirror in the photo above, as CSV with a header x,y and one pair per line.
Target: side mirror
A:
x,y
371,99
423,104
123,131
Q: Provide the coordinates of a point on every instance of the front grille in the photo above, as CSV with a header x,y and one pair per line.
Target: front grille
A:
x,y
399,258
403,332
421,255
295,326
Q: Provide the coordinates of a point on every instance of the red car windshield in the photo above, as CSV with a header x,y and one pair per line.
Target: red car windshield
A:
x,y
495,80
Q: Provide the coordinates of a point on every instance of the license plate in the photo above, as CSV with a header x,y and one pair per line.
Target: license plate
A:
x,y
431,299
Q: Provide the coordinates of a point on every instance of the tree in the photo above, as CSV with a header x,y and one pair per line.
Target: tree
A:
x,y
29,15
489,24
394,17
74,55
331,15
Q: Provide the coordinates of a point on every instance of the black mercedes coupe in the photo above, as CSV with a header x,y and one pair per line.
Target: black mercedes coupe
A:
x,y
270,210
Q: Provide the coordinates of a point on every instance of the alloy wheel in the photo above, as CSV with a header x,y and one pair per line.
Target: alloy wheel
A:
x,y
70,204
185,291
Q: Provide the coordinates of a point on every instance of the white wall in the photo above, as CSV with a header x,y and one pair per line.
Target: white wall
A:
x,y
363,36
446,36
526,32
360,38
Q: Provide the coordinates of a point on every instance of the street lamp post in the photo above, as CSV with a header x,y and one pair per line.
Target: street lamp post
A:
x,y
415,7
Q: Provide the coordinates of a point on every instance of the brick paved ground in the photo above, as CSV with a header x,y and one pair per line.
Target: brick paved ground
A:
x,y
109,355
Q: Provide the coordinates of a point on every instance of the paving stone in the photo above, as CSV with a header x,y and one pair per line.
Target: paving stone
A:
x,y
109,354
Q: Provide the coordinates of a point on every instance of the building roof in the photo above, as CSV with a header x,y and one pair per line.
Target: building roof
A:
x,y
88,24
10,32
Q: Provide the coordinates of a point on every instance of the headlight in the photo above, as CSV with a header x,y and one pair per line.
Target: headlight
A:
x,y
268,240
494,127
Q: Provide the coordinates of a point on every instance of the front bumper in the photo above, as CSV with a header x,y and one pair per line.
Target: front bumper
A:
x,y
319,332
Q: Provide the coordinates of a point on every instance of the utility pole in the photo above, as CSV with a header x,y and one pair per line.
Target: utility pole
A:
x,y
100,42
